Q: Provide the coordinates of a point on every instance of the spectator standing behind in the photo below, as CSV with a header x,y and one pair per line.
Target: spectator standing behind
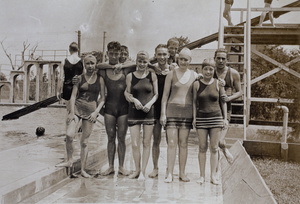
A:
x,y
83,106
227,11
124,54
162,56
142,93
177,112
263,14
210,115
230,79
72,68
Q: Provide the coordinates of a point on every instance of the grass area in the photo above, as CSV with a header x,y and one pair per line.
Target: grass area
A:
x,y
282,178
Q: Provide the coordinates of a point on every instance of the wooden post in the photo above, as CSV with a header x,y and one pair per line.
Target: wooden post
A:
x,y
221,26
103,50
248,58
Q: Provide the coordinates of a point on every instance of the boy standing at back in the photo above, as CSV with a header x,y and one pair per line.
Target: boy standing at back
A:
x,y
162,57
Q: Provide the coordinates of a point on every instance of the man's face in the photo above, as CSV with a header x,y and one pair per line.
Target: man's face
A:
x,y
113,56
123,56
173,48
162,55
221,60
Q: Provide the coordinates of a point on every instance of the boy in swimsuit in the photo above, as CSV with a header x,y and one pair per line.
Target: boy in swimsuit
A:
x,y
231,77
263,14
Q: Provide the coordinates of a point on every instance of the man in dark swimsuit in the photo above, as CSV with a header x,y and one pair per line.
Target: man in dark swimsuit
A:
x,y
232,81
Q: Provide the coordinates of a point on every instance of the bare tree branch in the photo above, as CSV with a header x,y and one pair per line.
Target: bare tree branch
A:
x,y
8,55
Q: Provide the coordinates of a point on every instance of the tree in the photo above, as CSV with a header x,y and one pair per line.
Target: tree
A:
x,y
274,87
183,40
2,77
26,45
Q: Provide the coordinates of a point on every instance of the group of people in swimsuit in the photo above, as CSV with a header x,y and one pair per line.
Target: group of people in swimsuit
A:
x,y
148,95
227,12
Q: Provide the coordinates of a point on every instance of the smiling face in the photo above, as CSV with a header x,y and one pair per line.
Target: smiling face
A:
x,y
142,63
113,56
123,55
208,72
90,64
162,55
173,48
184,58
221,60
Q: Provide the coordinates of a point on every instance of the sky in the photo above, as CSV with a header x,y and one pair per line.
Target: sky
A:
x,y
139,24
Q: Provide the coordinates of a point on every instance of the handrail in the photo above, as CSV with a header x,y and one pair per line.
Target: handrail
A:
x,y
268,9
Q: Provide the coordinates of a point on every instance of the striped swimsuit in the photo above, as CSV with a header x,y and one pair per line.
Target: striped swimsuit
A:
x,y
208,113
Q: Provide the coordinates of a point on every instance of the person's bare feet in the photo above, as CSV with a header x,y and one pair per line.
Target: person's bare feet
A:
x,y
214,180
184,178
228,156
65,164
123,171
200,180
134,175
109,171
169,179
141,177
85,175
153,174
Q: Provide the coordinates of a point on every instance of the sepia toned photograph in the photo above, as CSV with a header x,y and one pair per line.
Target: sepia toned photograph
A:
x,y
150,101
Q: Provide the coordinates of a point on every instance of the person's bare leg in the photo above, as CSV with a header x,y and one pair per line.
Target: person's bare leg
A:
x,y
147,133
110,127
122,131
183,152
155,149
70,135
87,128
227,14
214,134
222,145
171,152
271,18
203,145
135,143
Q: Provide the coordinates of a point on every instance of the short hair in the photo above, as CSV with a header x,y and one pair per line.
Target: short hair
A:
x,y
221,50
73,47
172,40
90,56
114,45
124,47
208,62
161,46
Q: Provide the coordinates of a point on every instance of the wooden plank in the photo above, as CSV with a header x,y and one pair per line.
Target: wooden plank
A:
x,y
261,77
281,66
268,9
281,76
31,108
272,100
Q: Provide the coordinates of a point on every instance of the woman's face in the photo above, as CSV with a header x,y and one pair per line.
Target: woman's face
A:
x,y
184,60
208,72
90,64
142,63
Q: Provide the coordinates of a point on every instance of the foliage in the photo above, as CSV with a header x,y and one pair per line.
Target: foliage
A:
x,y
2,77
274,86
183,40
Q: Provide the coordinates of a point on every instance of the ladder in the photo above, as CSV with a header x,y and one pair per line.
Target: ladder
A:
x,y
234,41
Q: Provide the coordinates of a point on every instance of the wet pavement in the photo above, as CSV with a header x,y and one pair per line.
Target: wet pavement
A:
x,y
27,168
120,189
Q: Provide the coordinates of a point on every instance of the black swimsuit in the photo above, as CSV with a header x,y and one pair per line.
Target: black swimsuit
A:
x,y
70,71
115,104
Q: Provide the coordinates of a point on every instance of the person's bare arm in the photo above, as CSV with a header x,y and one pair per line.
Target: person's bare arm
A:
x,y
167,88
195,90
236,85
148,106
